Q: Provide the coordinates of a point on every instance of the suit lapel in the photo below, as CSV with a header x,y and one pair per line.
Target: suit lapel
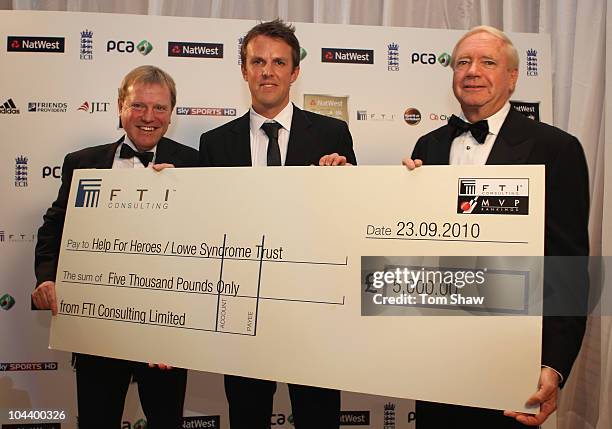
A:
x,y
107,159
165,152
238,148
514,141
439,153
298,147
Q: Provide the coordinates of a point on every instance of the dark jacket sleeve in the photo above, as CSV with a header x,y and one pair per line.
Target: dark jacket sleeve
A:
x,y
50,233
345,144
566,280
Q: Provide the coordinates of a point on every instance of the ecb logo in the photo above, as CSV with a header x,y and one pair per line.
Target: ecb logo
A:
x,y
88,193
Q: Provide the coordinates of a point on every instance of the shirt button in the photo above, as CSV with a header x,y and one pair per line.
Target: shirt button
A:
x,y
468,147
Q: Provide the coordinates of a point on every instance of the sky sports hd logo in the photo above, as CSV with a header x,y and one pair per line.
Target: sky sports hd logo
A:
x,y
349,56
35,44
195,50
502,196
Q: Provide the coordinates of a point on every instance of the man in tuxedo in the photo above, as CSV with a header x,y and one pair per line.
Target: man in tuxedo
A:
x,y
146,99
274,132
489,131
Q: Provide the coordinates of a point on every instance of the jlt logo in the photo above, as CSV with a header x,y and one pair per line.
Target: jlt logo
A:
x,y
94,106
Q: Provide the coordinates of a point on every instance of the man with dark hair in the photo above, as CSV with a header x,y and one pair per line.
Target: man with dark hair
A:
x,y
489,131
274,132
147,97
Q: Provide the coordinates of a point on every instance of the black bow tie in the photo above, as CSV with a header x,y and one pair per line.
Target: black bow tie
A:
x,y
479,129
129,153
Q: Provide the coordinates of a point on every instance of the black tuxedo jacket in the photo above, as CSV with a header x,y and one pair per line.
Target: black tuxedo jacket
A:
x,y
311,137
50,233
524,141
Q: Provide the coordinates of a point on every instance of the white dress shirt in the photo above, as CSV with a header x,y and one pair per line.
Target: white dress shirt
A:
x,y
465,150
259,139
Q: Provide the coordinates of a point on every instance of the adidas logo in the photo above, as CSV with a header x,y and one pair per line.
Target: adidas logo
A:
x,y
9,108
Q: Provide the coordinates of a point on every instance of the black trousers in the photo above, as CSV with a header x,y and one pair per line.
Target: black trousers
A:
x,y
432,415
250,404
102,384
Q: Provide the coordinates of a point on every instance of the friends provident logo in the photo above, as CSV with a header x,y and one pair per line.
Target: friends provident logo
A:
x,y
349,56
493,196
35,44
195,49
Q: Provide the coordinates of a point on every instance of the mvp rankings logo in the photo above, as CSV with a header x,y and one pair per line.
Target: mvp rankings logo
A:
x,y
91,193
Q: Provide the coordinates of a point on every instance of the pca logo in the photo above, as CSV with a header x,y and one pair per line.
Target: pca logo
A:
x,y
144,47
393,62
493,196
532,62
35,44
88,193
86,48
9,108
21,171
7,302
443,59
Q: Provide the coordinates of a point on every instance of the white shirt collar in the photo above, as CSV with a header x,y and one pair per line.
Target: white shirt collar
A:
x,y
284,118
496,120
128,142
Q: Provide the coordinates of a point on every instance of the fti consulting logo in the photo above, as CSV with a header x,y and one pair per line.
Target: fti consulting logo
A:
x,y
9,108
389,416
47,107
94,106
393,59
195,49
35,44
21,171
88,193
364,115
7,302
412,116
349,56
493,196
86,47
532,62
206,111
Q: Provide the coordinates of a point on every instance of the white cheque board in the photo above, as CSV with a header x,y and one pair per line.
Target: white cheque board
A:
x,y
257,272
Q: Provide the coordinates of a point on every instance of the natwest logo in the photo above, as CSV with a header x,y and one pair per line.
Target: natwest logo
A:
x,y
352,56
206,111
354,418
35,44
195,49
144,46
